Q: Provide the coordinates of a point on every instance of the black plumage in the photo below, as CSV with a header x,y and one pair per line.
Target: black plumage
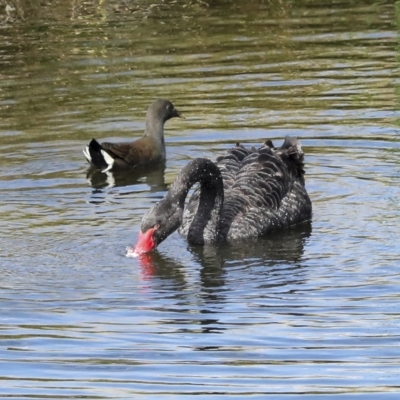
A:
x,y
246,193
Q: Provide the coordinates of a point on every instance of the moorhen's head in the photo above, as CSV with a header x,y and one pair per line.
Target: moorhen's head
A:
x,y
163,110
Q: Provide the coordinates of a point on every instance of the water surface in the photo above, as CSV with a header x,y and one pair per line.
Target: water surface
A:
x,y
313,311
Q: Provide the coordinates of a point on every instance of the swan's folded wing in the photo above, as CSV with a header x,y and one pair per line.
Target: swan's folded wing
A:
x,y
267,194
230,163
263,191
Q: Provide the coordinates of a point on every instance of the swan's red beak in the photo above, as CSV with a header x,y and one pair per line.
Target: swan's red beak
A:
x,y
145,242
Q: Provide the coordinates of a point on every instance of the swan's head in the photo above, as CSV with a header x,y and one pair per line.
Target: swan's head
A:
x,y
159,222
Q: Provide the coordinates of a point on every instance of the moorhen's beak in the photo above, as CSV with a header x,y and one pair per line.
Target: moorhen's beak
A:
x,y
178,114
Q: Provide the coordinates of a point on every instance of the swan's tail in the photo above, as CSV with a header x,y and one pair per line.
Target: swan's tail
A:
x,y
293,146
96,156
292,154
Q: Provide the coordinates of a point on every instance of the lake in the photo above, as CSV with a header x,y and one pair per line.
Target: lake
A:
x,y
313,311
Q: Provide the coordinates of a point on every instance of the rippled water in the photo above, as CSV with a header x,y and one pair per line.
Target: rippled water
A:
x,y
313,311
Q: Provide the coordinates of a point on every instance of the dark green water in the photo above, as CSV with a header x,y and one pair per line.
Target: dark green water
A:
x,y
313,312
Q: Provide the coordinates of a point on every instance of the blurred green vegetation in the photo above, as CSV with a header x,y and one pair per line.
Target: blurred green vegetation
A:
x,y
34,10
231,63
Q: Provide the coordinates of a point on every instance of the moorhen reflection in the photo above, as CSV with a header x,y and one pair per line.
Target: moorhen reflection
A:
x,y
152,176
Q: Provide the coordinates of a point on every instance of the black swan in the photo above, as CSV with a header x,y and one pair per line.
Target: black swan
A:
x,y
148,150
247,193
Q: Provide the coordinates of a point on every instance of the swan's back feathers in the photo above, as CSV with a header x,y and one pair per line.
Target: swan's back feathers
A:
x,y
264,191
230,164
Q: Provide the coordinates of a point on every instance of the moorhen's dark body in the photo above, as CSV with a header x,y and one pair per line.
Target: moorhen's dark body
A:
x,y
148,150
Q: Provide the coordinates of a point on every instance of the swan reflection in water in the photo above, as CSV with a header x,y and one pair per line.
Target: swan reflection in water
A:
x,y
203,281
279,248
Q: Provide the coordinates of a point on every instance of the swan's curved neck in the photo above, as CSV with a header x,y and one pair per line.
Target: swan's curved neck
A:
x,y
204,226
